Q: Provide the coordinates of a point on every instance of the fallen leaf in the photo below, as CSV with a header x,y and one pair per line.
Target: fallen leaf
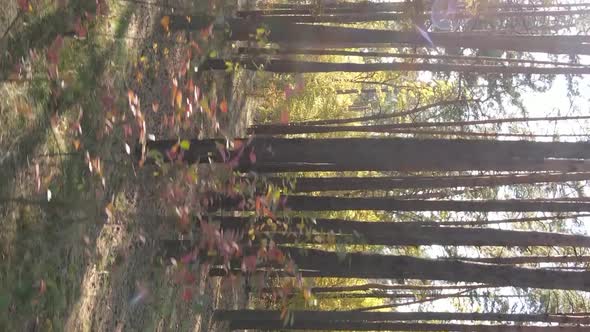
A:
x,y
25,6
165,22
54,49
223,106
155,106
80,29
179,99
38,177
187,294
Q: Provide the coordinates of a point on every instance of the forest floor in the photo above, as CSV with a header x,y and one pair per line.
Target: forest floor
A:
x,y
76,256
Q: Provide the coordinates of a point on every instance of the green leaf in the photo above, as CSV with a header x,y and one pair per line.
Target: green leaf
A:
x,y
185,144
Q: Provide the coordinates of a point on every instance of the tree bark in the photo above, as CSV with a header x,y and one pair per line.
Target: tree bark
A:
x,y
415,56
295,66
348,316
384,287
332,36
371,266
527,259
392,154
344,18
393,234
329,203
383,116
280,129
387,326
310,184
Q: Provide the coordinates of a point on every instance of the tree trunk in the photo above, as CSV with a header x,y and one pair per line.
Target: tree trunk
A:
x,y
339,37
310,184
392,154
465,134
329,203
445,58
304,9
393,234
280,129
295,66
348,316
527,259
382,116
366,296
387,326
360,91
383,287
344,18
371,266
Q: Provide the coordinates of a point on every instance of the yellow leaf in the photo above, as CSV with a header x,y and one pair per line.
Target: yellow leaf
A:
x,y
179,99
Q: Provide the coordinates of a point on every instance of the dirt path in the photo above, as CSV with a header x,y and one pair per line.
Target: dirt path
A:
x,y
130,287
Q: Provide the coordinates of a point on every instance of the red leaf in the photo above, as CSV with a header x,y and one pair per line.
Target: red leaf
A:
x,y
252,157
187,294
189,277
24,5
249,263
54,49
206,33
223,106
79,28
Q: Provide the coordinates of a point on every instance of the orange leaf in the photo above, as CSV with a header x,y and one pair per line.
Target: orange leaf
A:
x,y
77,144
165,22
223,106
179,98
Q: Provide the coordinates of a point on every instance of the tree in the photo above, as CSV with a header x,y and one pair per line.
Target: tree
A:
x,y
414,234
392,128
309,184
266,154
331,203
333,36
295,66
348,316
360,265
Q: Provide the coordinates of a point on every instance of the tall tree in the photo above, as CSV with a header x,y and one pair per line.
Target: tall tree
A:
x,y
360,265
333,36
309,184
295,66
347,316
266,154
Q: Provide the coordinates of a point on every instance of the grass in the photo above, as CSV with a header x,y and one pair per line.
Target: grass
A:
x,y
62,267
46,246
